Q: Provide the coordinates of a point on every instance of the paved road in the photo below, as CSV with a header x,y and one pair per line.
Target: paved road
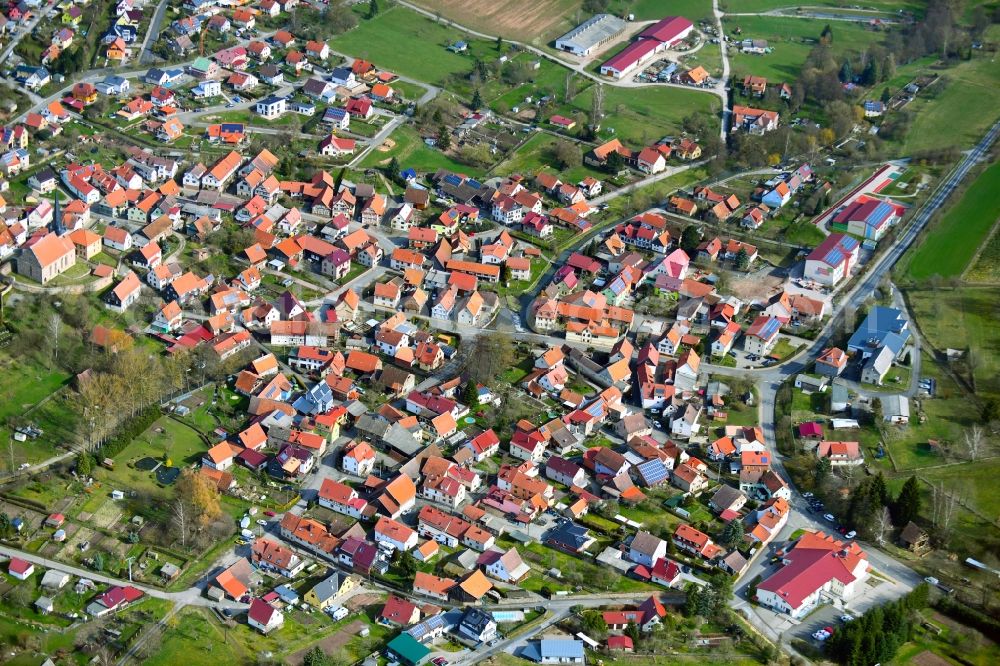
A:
x,y
583,68
146,51
191,596
41,12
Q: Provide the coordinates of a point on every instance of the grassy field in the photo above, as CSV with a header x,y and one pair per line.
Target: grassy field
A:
x,y
949,644
987,265
949,246
536,154
961,319
25,384
542,21
752,6
641,116
412,152
402,41
792,39
966,101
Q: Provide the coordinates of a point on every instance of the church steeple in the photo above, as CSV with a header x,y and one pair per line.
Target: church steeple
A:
x,y
57,223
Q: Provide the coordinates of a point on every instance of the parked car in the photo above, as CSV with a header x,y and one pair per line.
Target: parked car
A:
x,y
829,517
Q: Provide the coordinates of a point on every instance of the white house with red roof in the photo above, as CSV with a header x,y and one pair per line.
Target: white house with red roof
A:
x,y
264,617
814,567
20,569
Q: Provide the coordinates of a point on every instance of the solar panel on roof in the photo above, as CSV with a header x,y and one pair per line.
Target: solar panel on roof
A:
x,y
452,179
834,257
474,183
653,471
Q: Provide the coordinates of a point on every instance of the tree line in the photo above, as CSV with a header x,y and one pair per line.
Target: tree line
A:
x,y
876,636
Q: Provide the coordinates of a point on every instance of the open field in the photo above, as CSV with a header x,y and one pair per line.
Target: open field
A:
x,y
523,20
753,6
644,115
987,265
402,41
965,101
540,22
792,39
536,154
951,243
949,644
411,152
960,319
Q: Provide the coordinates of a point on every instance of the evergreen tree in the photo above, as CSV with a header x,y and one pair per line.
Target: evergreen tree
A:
x,y
907,505
732,534
83,464
870,75
499,43
394,169
615,162
880,492
373,9
407,564
826,37
444,138
477,100
886,95
316,657
340,179
690,238
822,470
742,259
470,396
846,72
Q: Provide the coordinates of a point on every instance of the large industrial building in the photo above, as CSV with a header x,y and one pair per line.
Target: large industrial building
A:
x,y
656,38
591,35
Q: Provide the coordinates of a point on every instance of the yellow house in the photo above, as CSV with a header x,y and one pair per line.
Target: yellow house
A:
x,y
326,593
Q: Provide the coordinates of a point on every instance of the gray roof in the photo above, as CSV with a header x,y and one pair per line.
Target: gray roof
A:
x,y
328,587
883,327
373,425
882,361
896,405
566,648
593,31
402,440
725,496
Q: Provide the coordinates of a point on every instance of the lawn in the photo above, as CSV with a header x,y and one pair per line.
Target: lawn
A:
x,y
25,384
961,319
966,102
752,6
948,644
987,266
952,241
792,39
535,155
412,152
166,439
403,41
640,116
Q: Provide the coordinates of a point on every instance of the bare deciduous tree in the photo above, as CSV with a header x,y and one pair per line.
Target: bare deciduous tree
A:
x,y
974,441
181,520
883,523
